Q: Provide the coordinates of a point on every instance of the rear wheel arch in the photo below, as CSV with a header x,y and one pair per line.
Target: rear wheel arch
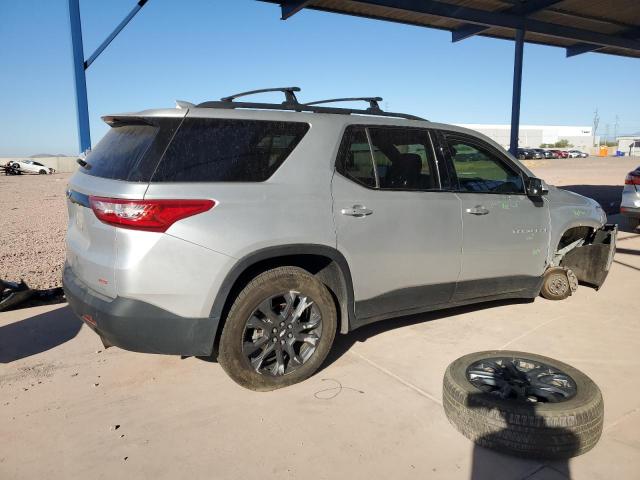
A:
x,y
324,262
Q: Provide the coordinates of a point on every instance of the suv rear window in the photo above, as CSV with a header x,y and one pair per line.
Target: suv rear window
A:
x,y
223,150
119,154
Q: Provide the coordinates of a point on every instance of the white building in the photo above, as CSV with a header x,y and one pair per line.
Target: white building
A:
x,y
532,136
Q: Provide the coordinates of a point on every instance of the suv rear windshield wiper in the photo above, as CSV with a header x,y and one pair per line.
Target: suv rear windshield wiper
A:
x,y
83,163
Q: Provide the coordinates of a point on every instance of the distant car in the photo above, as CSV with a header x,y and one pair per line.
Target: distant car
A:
x,y
577,154
31,166
630,205
559,153
544,153
553,154
525,154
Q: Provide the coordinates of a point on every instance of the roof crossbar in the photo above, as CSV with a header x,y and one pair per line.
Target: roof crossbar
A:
x,y
373,102
289,95
292,104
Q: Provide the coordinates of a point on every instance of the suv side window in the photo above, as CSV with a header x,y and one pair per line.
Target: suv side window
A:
x,y
225,150
355,157
403,158
480,170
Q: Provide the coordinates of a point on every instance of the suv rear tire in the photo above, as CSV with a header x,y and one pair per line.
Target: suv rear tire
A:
x,y
279,330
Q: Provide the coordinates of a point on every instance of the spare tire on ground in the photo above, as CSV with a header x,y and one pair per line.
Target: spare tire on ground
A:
x,y
523,404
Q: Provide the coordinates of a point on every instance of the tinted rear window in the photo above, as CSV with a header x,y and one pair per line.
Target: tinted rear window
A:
x,y
120,153
220,150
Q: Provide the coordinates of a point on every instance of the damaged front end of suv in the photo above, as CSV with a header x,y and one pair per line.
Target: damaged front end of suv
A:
x,y
582,243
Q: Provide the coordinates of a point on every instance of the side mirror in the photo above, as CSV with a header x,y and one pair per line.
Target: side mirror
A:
x,y
535,187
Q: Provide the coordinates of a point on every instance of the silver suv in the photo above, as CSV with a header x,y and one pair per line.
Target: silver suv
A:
x,y
255,232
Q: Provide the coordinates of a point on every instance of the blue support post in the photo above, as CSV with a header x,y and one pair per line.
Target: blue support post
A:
x,y
82,106
517,92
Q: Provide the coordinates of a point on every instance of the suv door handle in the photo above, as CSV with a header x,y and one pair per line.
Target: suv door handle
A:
x,y
357,211
477,210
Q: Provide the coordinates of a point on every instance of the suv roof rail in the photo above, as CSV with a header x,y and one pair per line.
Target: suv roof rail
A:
x,y
291,104
289,95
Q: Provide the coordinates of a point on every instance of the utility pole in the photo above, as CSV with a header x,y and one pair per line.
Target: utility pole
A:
x,y
606,133
615,128
596,122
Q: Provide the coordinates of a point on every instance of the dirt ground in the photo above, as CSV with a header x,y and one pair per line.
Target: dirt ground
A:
x,y
33,215
70,409
33,222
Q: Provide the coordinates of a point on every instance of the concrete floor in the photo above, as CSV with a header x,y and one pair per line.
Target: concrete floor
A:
x,y
373,412
70,409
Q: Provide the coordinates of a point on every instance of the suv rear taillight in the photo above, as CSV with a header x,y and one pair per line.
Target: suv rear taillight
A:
x,y
148,215
633,178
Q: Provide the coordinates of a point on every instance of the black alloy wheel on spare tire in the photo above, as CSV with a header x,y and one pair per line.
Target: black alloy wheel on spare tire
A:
x,y
523,404
279,330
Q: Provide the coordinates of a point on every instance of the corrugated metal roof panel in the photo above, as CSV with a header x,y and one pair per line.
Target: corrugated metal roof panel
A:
x,y
619,19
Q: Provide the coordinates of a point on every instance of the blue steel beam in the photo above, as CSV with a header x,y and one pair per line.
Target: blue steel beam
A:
x,y
82,106
115,33
80,66
496,19
527,8
517,92
580,48
290,8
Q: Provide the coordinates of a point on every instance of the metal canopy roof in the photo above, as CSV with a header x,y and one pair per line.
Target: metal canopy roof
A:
x,y
580,26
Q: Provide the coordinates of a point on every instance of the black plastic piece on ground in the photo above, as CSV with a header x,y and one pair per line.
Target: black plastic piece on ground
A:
x,y
18,295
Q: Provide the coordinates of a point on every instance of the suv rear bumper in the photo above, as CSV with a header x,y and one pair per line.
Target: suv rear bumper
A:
x,y
136,325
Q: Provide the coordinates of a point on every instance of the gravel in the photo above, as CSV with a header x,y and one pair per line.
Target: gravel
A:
x,y
33,222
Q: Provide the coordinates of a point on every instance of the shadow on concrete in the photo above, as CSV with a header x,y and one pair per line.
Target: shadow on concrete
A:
x,y
627,251
343,343
490,464
37,334
608,196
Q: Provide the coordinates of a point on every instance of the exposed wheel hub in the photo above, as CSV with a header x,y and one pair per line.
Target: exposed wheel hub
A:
x,y
282,333
521,379
558,285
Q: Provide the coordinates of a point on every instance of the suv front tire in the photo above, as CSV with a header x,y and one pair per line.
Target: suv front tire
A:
x,y
279,330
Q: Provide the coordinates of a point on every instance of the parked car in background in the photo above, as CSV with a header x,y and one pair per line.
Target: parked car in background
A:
x,y
525,154
540,152
529,153
579,154
559,153
630,205
30,166
546,153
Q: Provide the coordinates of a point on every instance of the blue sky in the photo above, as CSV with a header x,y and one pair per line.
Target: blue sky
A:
x,y
202,50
